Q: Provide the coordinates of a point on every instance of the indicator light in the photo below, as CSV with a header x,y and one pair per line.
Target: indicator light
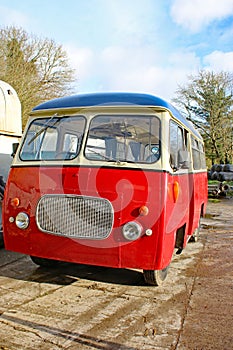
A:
x,y
143,210
15,202
176,190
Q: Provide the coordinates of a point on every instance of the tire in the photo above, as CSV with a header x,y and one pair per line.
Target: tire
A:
x,y
155,277
213,168
228,168
45,262
214,175
195,236
219,168
220,176
226,176
2,186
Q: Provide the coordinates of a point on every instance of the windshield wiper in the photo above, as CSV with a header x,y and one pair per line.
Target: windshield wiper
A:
x,y
114,160
44,128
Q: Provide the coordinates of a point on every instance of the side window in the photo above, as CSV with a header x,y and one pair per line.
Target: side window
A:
x,y
202,156
198,155
177,143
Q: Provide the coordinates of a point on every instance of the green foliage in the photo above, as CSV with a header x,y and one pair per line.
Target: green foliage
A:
x,y
207,101
214,200
37,69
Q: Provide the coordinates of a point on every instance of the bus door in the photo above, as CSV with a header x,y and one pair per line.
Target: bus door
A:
x,y
180,188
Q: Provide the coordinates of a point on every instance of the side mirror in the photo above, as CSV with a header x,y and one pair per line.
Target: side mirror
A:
x,y
183,159
14,149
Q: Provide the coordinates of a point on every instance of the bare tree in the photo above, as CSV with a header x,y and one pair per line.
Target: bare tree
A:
x,y
38,69
207,100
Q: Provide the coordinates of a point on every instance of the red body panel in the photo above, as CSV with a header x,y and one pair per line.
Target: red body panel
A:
x,y
127,190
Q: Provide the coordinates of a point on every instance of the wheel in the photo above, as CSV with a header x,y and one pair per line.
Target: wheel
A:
x,y
44,262
155,277
196,233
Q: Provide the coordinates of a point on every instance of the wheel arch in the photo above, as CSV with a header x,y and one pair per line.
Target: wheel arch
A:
x,y
179,241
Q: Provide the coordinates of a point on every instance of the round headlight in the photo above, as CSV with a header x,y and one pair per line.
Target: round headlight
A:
x,y
22,220
132,231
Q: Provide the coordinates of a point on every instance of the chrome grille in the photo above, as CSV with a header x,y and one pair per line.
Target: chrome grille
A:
x,y
75,216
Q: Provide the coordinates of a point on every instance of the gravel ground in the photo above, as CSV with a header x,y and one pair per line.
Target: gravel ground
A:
x,y
88,307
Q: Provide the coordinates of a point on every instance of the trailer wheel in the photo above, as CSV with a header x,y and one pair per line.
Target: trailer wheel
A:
x,y
155,277
44,262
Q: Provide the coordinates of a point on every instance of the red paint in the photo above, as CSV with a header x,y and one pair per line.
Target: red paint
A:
x,y
127,190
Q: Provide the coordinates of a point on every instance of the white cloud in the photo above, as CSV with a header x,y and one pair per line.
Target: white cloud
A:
x,y
135,69
81,59
196,14
118,68
129,22
9,16
130,69
219,61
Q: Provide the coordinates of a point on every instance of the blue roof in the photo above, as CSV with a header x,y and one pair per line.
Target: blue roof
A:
x,y
112,99
100,98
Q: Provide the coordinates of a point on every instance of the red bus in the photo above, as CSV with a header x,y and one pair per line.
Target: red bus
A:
x,y
108,179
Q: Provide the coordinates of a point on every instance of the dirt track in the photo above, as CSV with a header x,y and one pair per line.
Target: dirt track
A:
x,y
84,307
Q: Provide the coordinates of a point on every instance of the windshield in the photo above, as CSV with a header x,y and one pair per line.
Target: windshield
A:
x,y
119,138
54,138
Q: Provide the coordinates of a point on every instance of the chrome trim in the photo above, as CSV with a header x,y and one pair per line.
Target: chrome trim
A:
x,y
75,216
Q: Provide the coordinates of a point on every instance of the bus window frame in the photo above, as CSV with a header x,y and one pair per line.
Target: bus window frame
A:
x,y
126,115
197,148
61,132
182,158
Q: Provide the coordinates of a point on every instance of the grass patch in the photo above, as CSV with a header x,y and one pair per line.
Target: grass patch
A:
x,y
214,200
216,182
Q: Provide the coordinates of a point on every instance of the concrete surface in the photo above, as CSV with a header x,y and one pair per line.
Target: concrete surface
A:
x,y
87,307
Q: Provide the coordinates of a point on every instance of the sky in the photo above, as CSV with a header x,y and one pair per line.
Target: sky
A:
x,y
150,46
